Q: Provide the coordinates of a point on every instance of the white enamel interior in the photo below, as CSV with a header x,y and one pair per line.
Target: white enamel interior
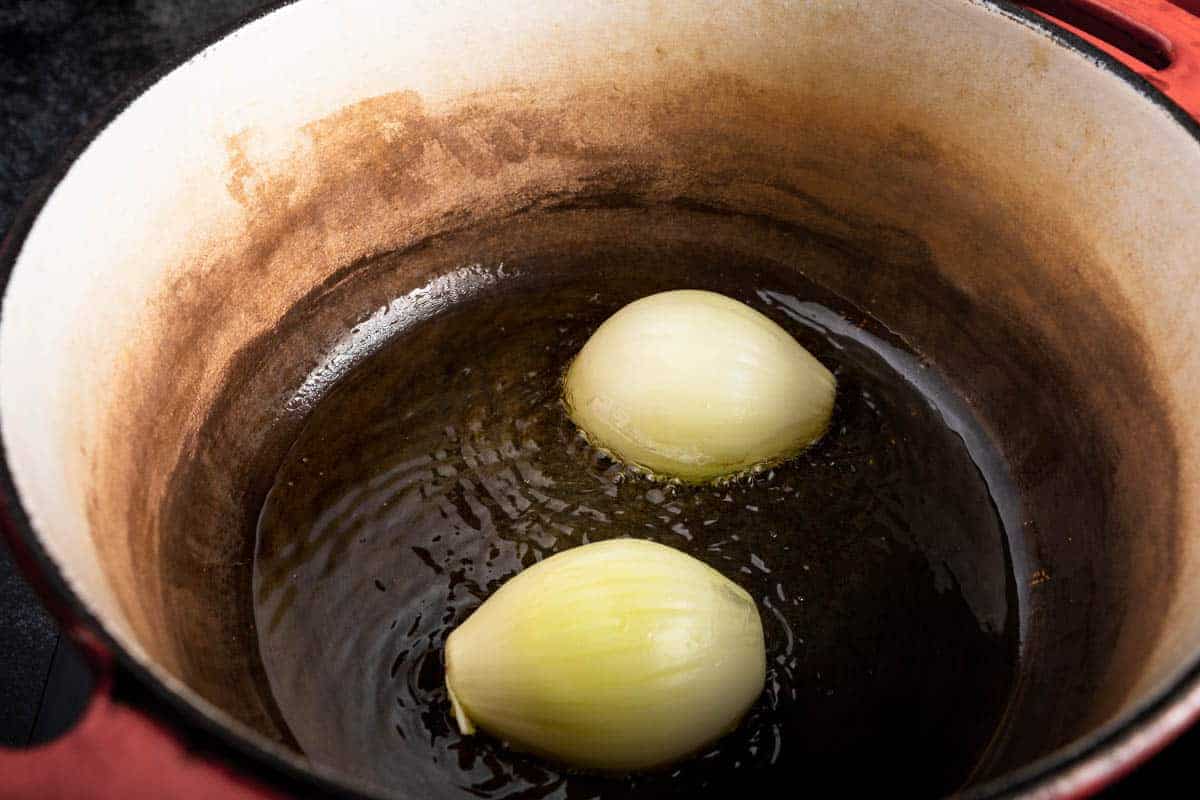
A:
x,y
127,220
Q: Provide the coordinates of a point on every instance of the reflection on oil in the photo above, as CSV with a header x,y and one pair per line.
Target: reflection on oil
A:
x,y
442,463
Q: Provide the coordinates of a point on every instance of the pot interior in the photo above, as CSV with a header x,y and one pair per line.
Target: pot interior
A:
x,y
947,175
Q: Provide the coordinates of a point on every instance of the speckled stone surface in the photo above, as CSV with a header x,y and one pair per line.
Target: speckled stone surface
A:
x,y
62,63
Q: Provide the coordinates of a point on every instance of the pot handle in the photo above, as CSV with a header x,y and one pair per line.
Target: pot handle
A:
x,y
1167,29
116,751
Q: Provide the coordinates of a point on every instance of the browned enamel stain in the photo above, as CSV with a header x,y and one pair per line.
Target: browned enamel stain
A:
x,y
240,169
995,289
1039,59
911,144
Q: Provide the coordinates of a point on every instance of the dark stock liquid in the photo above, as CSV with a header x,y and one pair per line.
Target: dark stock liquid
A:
x,y
443,464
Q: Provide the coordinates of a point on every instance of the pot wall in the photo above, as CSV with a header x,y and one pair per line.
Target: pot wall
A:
x,y
978,166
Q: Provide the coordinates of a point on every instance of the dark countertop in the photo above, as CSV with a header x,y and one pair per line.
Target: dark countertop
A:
x,y
62,63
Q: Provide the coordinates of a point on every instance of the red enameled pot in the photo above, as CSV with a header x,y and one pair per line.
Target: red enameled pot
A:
x,y
1026,184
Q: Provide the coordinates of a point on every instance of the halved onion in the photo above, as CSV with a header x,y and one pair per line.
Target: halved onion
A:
x,y
695,385
617,656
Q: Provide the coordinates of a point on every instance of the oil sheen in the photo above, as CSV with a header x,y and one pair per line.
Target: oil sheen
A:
x,y
442,463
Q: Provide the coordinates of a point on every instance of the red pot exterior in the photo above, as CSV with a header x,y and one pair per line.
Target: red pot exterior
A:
x,y
116,751
1165,27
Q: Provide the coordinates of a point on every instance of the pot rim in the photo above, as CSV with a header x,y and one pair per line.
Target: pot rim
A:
x,y
1076,769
